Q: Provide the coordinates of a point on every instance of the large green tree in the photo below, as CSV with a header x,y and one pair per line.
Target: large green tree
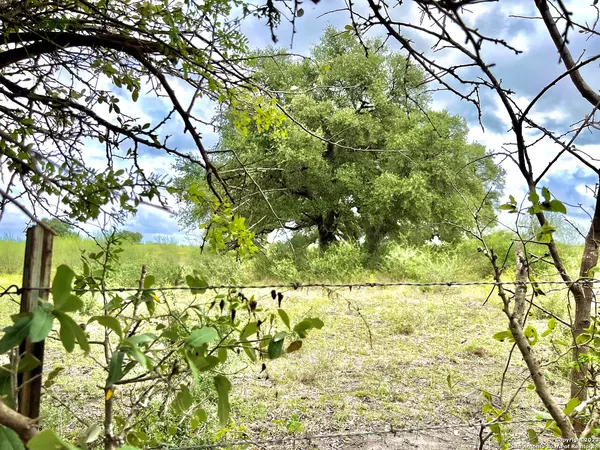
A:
x,y
348,149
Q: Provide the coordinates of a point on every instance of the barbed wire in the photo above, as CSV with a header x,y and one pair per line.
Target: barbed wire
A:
x,y
16,290
392,431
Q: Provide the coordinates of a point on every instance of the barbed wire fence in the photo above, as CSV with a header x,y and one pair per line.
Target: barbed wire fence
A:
x,y
18,290
480,427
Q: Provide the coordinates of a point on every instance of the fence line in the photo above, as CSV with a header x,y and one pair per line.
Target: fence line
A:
x,y
16,290
392,431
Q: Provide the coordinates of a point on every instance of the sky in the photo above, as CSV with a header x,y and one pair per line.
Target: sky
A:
x,y
525,74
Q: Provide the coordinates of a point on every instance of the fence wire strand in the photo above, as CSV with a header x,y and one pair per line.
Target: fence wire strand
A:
x,y
16,290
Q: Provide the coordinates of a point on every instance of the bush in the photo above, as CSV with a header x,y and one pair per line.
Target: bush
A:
x,y
424,264
341,262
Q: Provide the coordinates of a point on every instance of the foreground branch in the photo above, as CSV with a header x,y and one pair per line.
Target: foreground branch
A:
x,y
25,427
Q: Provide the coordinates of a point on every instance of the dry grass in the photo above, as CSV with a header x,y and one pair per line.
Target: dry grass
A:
x,y
396,356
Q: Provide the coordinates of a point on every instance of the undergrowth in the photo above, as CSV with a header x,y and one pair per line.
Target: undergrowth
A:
x,y
287,262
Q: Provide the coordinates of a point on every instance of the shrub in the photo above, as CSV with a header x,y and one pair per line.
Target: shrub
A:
x,y
424,264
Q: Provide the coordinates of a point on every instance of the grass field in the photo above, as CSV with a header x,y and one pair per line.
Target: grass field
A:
x,y
421,359
401,357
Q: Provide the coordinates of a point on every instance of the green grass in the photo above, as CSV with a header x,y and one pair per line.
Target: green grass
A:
x,y
400,356
351,375
167,262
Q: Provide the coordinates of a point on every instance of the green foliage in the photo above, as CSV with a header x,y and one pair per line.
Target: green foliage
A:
x,y
60,228
129,236
372,152
223,387
340,262
146,40
200,336
9,440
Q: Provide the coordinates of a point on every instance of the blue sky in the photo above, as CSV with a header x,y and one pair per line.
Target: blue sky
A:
x,y
524,74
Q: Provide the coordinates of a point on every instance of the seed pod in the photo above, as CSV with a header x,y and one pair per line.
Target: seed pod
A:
x,y
252,305
222,304
233,315
273,294
279,298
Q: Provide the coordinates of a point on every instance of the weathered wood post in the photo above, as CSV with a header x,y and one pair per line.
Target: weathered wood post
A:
x,y
36,274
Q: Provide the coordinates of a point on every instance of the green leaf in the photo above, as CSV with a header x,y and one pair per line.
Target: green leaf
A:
x,y
284,317
307,324
508,207
52,376
90,435
198,417
9,440
197,285
582,338
571,405
61,285
28,363
149,281
48,440
534,197
551,327
299,12
206,363
546,194
115,368
317,323
70,331
545,234
558,206
109,322
15,334
134,351
223,387
250,329
41,324
71,304
183,401
250,353
275,349
502,335
222,355
533,437
6,391
531,334
142,339
201,336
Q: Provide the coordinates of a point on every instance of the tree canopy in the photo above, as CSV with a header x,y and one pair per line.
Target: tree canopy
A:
x,y
59,227
345,145
71,73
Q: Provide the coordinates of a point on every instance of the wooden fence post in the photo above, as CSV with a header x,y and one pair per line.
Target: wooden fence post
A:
x,y
36,273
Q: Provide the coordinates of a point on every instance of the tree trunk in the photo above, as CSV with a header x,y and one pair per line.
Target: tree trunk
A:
x,y
372,239
327,226
583,303
516,321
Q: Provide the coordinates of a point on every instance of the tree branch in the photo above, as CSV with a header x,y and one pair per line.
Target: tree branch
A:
x,y
25,427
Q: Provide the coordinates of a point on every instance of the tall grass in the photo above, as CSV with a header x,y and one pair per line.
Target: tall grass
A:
x,y
169,263
343,262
